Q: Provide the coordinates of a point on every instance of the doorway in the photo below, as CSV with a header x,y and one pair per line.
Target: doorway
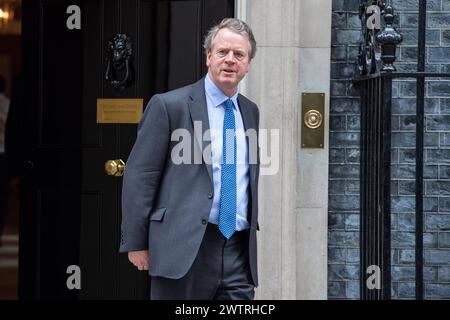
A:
x,y
70,214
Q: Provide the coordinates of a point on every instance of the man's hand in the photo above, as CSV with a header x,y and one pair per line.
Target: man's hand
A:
x,y
139,259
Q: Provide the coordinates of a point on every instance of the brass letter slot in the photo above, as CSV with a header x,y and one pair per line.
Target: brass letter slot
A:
x,y
119,110
313,113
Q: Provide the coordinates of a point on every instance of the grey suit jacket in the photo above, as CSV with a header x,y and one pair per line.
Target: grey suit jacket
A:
x,y
166,206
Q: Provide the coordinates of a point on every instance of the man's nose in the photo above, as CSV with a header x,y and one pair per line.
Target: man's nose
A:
x,y
230,57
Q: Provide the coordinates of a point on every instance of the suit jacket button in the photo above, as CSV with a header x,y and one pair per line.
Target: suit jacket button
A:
x,y
204,221
210,195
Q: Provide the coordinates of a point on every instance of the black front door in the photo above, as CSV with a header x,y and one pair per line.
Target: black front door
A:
x,y
70,214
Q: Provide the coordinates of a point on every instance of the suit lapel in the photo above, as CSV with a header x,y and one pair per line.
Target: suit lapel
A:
x,y
199,114
249,123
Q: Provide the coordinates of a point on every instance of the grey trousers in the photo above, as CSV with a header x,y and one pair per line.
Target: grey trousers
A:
x,y
220,271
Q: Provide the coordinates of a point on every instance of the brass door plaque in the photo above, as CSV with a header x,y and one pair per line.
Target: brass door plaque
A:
x,y
313,120
119,110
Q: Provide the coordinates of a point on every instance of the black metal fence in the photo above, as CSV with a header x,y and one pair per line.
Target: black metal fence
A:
x,y
374,78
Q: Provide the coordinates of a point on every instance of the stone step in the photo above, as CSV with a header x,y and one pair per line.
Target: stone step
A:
x,y
10,240
10,237
9,263
9,251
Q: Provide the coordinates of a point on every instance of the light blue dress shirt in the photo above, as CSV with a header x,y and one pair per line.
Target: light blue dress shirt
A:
x,y
215,102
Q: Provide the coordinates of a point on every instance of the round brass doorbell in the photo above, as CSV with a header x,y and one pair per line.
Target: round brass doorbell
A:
x,y
313,119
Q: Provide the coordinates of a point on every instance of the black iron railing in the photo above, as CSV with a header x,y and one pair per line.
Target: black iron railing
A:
x,y
374,77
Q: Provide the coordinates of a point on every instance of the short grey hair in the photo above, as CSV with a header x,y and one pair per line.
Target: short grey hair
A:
x,y
235,25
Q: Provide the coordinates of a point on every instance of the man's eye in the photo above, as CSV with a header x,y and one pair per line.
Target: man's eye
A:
x,y
239,55
221,53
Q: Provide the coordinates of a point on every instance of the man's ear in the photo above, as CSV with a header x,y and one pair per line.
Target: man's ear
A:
x,y
208,59
248,66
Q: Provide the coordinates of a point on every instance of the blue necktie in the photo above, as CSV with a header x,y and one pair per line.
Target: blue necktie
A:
x,y
227,211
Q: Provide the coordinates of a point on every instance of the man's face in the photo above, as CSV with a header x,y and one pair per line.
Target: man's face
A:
x,y
229,60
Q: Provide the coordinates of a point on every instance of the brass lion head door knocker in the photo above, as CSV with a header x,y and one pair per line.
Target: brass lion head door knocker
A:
x,y
119,71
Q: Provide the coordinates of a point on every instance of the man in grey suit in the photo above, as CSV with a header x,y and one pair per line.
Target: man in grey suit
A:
x,y
190,214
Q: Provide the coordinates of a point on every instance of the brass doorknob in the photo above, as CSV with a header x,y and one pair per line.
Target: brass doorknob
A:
x,y
115,167
313,119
